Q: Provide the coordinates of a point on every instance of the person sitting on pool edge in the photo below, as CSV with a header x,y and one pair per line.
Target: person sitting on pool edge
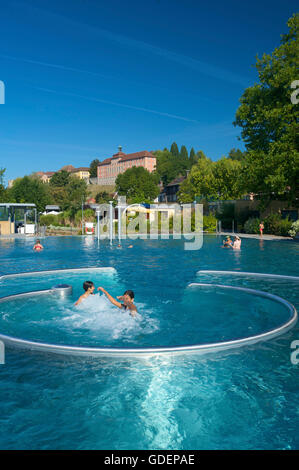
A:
x,y
89,287
38,246
127,298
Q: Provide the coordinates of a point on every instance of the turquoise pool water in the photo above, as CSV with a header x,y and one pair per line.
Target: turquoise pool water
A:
x,y
246,398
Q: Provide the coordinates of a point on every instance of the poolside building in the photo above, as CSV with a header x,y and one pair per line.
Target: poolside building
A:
x,y
17,218
110,168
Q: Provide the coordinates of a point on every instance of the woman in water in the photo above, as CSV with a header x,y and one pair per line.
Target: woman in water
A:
x,y
38,246
237,243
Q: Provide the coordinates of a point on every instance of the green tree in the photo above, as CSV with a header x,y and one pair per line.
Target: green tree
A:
x,y
31,190
236,154
93,168
103,197
137,184
192,157
184,153
76,193
60,179
269,121
2,188
174,150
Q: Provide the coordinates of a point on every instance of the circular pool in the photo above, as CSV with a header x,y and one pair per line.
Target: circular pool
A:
x,y
207,318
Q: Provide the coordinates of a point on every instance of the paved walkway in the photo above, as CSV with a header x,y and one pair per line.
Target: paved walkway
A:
x,y
252,235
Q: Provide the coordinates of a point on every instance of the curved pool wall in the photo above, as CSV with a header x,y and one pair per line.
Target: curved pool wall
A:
x,y
53,271
147,352
249,274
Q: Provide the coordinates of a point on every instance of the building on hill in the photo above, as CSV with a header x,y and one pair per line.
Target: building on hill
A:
x,y
45,176
169,192
110,168
82,172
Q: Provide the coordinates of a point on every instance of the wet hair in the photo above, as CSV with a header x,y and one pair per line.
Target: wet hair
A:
x,y
130,293
87,285
37,241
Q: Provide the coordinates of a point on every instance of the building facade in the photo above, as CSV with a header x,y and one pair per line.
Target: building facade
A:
x,y
110,168
83,173
169,193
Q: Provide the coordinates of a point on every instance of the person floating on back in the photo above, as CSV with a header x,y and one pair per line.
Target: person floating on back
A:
x,y
89,287
127,298
38,246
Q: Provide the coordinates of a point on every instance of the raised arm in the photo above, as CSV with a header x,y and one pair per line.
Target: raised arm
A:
x,y
112,300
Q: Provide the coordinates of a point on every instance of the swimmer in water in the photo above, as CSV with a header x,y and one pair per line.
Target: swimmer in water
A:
x,y
89,287
237,243
227,243
127,298
38,246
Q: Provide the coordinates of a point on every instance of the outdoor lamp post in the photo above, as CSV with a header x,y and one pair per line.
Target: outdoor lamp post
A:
x,y
82,214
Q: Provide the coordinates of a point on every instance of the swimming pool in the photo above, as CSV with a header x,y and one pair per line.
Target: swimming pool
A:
x,y
246,398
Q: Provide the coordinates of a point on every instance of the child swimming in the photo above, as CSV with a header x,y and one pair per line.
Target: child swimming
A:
x,y
89,287
127,298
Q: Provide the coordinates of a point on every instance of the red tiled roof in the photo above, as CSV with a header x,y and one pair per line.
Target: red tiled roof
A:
x,y
125,157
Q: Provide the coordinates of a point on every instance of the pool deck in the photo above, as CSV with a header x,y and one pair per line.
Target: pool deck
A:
x,y
256,236
241,235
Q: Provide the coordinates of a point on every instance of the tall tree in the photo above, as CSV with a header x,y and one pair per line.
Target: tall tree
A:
x,y
93,168
184,153
269,121
174,150
192,157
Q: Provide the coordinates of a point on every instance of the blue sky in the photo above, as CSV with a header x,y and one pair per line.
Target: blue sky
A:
x,y
84,76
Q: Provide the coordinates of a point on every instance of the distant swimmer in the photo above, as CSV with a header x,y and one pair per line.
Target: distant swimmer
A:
x,y
89,287
237,243
227,243
127,298
38,246
261,228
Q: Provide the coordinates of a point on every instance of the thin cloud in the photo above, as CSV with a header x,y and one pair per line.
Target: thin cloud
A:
x,y
205,68
122,105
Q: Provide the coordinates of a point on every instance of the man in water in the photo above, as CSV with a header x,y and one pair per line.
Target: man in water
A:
x,y
127,298
227,242
38,246
89,287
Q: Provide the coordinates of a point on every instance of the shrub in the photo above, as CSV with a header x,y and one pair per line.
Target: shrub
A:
x,y
209,223
294,228
49,219
275,225
252,225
